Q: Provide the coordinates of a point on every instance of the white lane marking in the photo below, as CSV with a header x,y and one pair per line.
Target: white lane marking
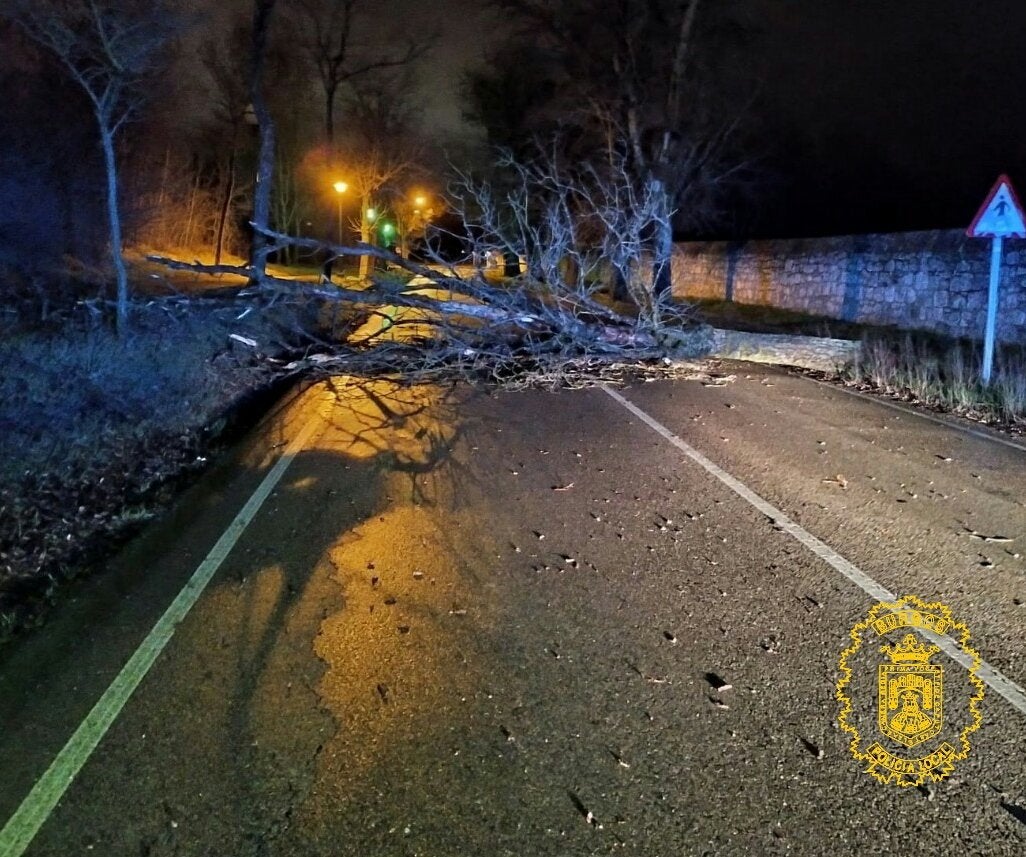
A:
x,y
23,826
913,412
998,682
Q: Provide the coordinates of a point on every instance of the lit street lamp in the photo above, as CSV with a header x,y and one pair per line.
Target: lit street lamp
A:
x,y
413,215
340,188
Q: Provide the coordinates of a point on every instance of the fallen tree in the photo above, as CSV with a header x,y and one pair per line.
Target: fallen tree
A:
x,y
578,231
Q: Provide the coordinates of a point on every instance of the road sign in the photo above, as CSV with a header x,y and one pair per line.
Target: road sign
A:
x,y
1000,216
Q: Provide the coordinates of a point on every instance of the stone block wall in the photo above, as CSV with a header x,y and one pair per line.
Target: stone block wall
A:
x,y
915,280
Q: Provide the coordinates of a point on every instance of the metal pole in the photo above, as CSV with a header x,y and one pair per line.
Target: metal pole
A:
x,y
992,308
340,220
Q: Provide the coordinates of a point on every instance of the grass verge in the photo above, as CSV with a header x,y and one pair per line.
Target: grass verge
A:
x,y
926,369
98,434
946,375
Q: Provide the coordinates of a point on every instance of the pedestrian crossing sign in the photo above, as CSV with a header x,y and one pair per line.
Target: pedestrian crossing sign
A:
x,y
1001,215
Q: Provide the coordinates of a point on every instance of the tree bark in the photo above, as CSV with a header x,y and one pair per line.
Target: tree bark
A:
x,y
365,236
329,113
226,203
262,11
114,222
662,241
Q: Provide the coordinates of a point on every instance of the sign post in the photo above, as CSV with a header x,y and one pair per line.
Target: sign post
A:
x,y
1000,216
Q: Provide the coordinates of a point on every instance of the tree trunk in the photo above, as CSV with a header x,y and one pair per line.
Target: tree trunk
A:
x,y
619,288
365,236
662,242
222,219
190,219
162,196
329,114
114,223
265,125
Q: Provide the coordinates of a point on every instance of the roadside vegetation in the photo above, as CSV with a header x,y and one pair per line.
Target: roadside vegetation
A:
x,y
921,368
98,432
943,374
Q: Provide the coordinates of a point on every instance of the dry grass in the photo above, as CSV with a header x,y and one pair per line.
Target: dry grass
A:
x,y
946,375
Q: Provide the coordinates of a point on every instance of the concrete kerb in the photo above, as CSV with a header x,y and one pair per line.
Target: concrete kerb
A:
x,y
804,352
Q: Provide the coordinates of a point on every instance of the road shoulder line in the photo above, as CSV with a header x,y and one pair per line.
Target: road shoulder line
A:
x,y
18,833
912,411
999,683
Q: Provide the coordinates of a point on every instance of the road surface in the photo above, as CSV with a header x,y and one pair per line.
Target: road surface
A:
x,y
472,624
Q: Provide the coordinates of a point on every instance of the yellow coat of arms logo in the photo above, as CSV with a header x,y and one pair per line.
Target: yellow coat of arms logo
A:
x,y
911,699
903,729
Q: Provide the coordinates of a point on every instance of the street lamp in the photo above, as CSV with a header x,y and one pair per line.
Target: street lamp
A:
x,y
340,188
371,214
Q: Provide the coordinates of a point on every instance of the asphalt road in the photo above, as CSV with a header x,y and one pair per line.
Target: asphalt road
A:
x,y
469,624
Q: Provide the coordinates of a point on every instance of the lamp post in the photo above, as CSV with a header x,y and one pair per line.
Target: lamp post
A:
x,y
340,188
415,216
367,217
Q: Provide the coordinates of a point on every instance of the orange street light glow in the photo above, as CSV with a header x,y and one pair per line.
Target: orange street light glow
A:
x,y
341,187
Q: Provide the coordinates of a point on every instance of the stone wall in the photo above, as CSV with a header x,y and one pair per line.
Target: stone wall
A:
x,y
916,280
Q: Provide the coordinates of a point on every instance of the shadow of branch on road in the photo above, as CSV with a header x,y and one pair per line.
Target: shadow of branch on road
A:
x,y
349,565
407,429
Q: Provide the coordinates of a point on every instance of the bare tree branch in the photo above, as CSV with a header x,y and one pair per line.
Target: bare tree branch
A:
x,y
328,36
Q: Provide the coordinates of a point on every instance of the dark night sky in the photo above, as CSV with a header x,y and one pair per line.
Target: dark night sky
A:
x,y
868,115
908,110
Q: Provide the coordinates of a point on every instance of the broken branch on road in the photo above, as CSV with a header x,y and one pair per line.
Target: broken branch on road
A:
x,y
581,236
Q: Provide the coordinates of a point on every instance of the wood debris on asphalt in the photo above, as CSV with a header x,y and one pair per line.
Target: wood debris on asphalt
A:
x,y
618,758
717,683
814,749
586,813
973,534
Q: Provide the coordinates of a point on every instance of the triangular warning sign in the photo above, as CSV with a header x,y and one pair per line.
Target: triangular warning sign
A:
x,y
1001,214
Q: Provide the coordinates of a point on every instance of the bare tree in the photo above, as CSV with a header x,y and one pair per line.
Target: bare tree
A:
x,y
380,148
547,323
227,67
576,225
329,33
109,48
626,82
